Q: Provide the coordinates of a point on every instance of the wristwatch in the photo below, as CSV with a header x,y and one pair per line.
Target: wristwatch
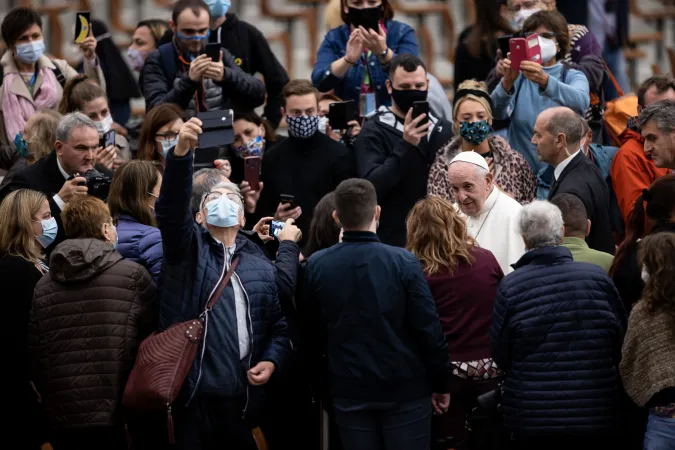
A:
x,y
383,54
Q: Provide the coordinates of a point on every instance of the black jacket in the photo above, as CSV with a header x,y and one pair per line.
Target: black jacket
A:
x,y
305,168
44,176
468,67
583,179
380,328
398,170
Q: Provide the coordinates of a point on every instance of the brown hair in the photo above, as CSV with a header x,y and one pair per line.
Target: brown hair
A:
x,y
131,186
299,87
331,97
157,28
42,129
661,83
84,217
438,236
355,203
657,256
17,212
387,11
195,5
253,117
555,22
483,34
78,91
156,118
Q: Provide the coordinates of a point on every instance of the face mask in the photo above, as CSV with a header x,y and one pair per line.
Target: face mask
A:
x,y
49,230
196,37
364,16
405,99
644,275
474,132
323,124
31,51
136,58
21,145
222,212
521,16
254,147
103,126
548,49
218,8
168,145
302,127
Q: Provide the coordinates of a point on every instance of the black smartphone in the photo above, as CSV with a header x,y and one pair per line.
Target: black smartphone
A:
x,y
216,129
82,26
213,51
204,157
504,45
341,113
418,109
108,139
275,227
286,199
369,18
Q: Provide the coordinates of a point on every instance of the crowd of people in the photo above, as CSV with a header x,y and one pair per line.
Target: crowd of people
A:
x,y
494,272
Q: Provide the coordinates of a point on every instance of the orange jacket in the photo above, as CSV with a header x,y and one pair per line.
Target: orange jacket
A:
x,y
631,171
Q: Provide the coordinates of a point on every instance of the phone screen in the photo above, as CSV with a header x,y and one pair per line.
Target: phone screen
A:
x,y
275,227
213,51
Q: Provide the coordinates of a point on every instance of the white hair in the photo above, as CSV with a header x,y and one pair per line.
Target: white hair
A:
x,y
541,224
71,121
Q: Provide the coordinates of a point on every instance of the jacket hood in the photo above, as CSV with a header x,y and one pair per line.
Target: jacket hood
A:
x,y
231,20
632,132
78,260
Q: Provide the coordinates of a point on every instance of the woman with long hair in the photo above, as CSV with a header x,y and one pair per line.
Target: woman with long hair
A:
x,y
648,354
463,279
658,203
146,38
324,231
160,132
133,193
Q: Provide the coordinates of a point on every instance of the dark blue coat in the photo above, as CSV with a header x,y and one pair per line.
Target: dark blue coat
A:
x,y
193,265
140,243
557,331
383,337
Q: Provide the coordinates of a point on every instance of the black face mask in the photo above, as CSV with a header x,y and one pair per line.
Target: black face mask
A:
x,y
404,99
369,18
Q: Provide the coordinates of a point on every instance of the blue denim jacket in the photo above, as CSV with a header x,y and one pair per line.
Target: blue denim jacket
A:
x,y
400,39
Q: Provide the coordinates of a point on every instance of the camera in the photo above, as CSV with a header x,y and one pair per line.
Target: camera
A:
x,y
98,185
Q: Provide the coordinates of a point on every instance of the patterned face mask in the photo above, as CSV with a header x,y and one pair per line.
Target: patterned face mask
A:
x,y
254,147
474,132
302,127
21,145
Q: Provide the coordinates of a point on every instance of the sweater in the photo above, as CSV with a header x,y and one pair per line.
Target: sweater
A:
x,y
648,362
581,252
527,100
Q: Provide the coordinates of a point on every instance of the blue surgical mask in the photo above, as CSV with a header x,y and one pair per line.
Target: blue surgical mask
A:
x,y
49,230
31,51
218,8
222,212
168,145
196,37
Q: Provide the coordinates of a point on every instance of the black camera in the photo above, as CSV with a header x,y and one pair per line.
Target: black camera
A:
x,y
98,185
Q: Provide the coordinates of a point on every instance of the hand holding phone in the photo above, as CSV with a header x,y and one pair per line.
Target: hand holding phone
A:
x,y
341,113
524,49
287,208
420,108
252,170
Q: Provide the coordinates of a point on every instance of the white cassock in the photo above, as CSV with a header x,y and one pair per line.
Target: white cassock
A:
x,y
496,229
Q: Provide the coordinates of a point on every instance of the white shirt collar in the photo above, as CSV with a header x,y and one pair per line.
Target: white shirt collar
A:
x,y
63,172
560,167
490,202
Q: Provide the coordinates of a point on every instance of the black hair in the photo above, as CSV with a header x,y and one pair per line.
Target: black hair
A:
x,y
16,22
407,62
324,232
482,39
253,117
355,203
574,214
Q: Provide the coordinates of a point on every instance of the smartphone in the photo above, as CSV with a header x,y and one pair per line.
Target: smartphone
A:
x,y
216,128
524,49
418,109
504,45
252,171
286,199
341,113
369,18
275,227
82,26
108,139
213,51
204,157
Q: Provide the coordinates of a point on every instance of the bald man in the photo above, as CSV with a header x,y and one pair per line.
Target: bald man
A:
x,y
557,136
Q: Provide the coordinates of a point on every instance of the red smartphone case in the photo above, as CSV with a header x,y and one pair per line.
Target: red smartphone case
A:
x,y
525,49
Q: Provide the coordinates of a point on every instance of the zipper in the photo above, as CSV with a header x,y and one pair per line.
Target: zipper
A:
x,y
250,339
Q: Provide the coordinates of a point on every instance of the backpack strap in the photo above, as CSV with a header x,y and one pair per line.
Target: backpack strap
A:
x,y
60,77
167,57
221,286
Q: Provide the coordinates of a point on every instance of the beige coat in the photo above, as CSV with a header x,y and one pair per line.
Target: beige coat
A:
x,y
20,88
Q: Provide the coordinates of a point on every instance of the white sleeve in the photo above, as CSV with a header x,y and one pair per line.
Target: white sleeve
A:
x,y
60,203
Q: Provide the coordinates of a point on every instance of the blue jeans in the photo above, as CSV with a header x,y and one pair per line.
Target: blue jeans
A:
x,y
379,426
660,433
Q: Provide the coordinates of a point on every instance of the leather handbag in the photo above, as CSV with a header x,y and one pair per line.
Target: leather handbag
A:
x,y
164,360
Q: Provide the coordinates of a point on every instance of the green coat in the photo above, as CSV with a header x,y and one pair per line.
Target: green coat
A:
x,y
581,252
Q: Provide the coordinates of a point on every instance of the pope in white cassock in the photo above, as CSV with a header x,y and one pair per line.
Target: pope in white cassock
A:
x,y
491,215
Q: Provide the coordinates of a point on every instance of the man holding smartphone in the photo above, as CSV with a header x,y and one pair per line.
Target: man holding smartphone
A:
x,y
395,148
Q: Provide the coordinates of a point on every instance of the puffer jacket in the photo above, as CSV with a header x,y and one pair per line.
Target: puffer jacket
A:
x,y
193,264
88,318
168,82
140,243
557,331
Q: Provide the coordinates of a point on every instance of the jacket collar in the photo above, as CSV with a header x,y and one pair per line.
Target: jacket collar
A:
x,y
359,236
575,242
545,256
386,117
18,87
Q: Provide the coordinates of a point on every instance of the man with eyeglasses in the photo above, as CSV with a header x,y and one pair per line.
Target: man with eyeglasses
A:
x,y
59,175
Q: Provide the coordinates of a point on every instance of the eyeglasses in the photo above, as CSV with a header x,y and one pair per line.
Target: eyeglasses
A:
x,y
216,195
544,34
166,137
524,5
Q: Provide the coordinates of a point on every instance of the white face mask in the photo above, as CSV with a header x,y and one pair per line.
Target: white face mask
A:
x,y
521,16
548,49
103,126
323,124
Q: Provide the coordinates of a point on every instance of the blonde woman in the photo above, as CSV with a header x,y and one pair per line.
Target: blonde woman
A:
x,y
472,122
463,279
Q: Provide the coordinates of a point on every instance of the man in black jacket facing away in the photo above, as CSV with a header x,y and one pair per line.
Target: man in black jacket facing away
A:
x,y
382,335
394,150
557,135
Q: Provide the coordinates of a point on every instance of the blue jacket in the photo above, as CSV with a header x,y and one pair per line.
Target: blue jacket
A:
x,y
140,243
400,39
193,265
383,337
557,331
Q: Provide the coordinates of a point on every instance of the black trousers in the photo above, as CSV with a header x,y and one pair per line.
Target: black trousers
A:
x,y
99,438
